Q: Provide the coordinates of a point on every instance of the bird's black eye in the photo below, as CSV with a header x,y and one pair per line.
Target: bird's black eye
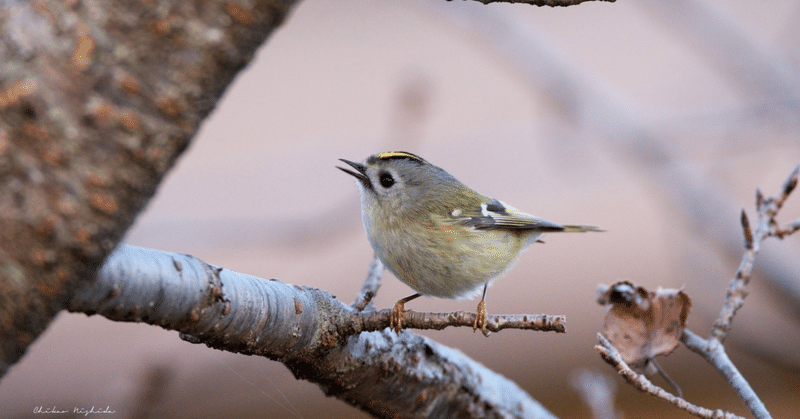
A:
x,y
386,180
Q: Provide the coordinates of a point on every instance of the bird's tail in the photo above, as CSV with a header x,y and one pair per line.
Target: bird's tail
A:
x,y
579,229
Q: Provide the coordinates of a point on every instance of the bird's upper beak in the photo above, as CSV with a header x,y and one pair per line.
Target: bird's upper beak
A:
x,y
360,172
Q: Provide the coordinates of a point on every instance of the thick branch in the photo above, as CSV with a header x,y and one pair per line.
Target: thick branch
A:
x,y
308,330
98,100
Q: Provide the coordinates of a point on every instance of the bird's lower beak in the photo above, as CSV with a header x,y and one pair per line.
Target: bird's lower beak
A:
x,y
360,172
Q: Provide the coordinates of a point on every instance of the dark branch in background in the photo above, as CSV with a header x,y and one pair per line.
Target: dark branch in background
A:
x,y
755,70
712,349
594,105
317,337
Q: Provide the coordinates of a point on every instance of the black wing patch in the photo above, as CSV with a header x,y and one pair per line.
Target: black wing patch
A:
x,y
496,207
495,215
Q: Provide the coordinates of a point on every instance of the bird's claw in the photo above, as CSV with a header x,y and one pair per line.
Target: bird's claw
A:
x,y
480,319
396,318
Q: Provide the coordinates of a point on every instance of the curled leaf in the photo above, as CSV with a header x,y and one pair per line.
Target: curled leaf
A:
x,y
643,324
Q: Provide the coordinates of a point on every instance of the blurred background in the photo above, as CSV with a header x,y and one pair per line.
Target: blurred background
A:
x,y
655,120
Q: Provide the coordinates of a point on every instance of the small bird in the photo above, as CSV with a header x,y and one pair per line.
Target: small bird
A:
x,y
437,235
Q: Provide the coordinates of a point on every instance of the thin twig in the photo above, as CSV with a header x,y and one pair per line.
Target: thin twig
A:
x,y
667,378
767,208
612,357
368,320
371,285
364,322
551,3
790,228
712,349
748,232
789,186
714,352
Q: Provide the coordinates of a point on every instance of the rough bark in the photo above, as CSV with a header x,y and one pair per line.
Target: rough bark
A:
x,y
317,337
97,100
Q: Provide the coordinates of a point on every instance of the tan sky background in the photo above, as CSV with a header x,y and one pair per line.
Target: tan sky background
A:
x,y
655,120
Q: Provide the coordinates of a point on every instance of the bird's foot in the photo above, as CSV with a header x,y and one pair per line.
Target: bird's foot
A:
x,y
480,319
396,318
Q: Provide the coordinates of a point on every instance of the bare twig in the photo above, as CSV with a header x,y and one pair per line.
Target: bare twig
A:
x,y
551,3
767,226
788,187
790,228
667,378
370,287
748,232
438,321
369,320
714,352
613,358
712,349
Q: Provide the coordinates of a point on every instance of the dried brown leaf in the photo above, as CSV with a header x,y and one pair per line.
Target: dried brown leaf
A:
x,y
643,324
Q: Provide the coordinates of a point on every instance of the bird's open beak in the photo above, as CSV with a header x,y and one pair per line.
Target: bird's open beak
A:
x,y
360,172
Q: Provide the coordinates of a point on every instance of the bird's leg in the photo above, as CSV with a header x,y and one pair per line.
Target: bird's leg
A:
x,y
396,318
480,314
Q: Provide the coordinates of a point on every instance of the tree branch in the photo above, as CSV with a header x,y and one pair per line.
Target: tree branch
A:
x,y
767,226
494,322
317,337
540,3
712,349
97,102
370,287
594,104
613,358
714,352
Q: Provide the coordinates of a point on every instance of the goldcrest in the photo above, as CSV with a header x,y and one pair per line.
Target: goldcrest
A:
x,y
437,235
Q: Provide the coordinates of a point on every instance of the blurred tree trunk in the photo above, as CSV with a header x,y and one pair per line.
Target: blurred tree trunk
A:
x,y
97,100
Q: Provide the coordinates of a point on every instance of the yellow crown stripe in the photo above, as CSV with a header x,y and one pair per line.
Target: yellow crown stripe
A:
x,y
398,155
